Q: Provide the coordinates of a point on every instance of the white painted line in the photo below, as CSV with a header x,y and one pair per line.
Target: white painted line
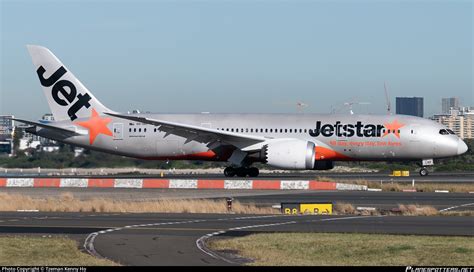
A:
x,y
27,210
441,191
374,190
365,208
352,217
458,206
201,242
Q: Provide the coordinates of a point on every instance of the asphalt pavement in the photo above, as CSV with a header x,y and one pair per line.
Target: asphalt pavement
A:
x,y
180,239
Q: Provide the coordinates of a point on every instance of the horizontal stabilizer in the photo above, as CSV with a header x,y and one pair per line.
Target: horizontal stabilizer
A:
x,y
48,126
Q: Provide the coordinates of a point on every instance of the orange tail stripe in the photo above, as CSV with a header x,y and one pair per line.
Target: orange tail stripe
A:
x,y
266,184
101,183
156,183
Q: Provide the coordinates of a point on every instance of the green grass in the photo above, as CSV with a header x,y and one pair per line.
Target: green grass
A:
x,y
40,251
350,249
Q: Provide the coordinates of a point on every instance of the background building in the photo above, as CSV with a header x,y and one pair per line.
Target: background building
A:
x,y
410,106
449,103
461,121
7,127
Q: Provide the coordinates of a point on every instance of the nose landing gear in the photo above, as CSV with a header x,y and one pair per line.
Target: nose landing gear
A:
x,y
241,171
424,172
427,162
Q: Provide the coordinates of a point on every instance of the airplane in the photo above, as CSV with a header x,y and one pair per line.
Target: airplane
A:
x,y
283,141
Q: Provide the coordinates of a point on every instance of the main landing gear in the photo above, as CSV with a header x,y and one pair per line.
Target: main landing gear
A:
x,y
241,171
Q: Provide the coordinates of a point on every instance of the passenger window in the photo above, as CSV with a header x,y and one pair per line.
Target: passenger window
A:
x,y
130,130
134,130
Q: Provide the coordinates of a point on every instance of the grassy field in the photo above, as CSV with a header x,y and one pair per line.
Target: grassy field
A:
x,y
67,203
399,186
40,251
350,249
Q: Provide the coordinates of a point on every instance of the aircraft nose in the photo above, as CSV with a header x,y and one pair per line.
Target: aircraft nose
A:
x,y
462,147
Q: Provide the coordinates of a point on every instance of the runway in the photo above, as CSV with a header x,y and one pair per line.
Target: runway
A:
x,y
380,200
434,177
179,239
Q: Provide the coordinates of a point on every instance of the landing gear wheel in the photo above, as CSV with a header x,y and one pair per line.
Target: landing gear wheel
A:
x,y
241,172
253,172
423,172
229,171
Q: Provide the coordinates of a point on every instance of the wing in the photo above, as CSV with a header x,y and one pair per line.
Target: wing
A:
x,y
199,134
66,131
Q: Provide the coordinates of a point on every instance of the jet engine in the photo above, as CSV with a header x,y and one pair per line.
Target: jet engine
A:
x,y
293,154
289,154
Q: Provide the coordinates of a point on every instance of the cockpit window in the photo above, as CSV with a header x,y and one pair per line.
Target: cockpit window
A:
x,y
443,132
450,131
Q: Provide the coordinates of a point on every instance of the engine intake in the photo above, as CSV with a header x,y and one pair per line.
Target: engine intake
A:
x,y
290,154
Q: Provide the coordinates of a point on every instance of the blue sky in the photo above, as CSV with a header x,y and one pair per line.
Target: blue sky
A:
x,y
242,56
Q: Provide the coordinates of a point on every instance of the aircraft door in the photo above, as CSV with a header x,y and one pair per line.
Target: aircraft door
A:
x,y
118,131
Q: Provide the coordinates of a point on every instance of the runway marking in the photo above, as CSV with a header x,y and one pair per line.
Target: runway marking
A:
x,y
43,226
458,206
201,242
89,241
348,218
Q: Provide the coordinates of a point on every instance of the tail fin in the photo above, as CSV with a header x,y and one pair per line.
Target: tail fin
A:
x,y
68,99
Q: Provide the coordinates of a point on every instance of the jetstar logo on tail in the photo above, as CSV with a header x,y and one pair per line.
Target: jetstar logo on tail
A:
x,y
358,129
96,125
67,89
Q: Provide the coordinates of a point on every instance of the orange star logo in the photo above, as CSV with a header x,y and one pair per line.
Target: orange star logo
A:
x,y
393,127
96,125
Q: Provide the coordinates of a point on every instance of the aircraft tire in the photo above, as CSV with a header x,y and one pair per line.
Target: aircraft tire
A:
x,y
241,172
253,172
424,172
229,171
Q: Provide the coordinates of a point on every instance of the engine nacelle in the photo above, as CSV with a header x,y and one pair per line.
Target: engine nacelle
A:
x,y
290,154
323,165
